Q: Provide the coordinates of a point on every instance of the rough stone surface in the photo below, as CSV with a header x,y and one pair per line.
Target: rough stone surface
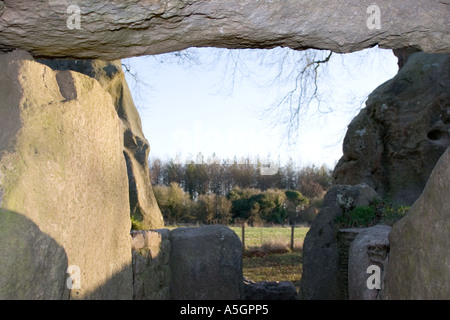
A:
x,y
116,29
403,55
143,206
62,178
396,140
151,269
321,276
206,264
345,238
269,290
419,257
370,247
29,256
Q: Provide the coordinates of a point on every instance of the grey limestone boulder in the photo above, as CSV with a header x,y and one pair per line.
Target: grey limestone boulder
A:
x,y
394,142
206,264
321,277
269,290
419,257
367,259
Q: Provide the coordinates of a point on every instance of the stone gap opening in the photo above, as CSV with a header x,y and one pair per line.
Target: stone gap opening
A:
x,y
188,131
167,132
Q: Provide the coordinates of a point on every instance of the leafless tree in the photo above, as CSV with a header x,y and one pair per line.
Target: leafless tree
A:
x,y
301,74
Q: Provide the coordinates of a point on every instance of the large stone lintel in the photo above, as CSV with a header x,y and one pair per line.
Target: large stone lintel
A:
x,y
118,29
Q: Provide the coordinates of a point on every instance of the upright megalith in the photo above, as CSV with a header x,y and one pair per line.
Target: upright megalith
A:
x,y
367,260
33,265
206,264
62,176
322,278
109,74
394,143
391,146
419,257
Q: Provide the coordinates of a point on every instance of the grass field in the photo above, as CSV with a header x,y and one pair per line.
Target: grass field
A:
x,y
258,237
268,255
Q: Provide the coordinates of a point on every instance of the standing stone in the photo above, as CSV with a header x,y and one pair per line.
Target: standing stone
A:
x,y
33,265
394,143
206,264
269,290
62,178
321,276
369,248
419,257
143,205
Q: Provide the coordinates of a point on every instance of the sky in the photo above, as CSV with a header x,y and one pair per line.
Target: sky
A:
x,y
212,101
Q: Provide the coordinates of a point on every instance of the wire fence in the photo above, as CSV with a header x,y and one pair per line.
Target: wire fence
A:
x,y
271,238
267,238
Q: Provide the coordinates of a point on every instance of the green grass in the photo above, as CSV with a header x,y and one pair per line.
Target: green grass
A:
x,y
259,237
268,256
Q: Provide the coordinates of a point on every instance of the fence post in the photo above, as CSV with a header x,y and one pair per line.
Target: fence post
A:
x,y
292,238
243,237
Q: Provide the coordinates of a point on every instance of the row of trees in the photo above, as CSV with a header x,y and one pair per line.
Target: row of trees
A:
x,y
248,205
212,176
225,192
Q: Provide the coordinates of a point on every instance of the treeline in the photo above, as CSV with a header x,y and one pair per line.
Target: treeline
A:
x,y
234,191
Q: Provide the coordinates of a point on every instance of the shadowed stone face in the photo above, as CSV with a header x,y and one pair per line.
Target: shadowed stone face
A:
x,y
419,258
394,143
66,85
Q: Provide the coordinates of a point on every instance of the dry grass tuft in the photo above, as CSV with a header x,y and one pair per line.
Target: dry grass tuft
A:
x,y
278,245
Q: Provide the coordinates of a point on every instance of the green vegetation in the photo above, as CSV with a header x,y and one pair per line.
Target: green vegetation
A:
x,y
136,224
358,217
268,256
228,192
391,214
366,216
263,238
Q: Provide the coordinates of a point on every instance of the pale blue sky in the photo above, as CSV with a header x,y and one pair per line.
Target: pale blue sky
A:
x,y
210,107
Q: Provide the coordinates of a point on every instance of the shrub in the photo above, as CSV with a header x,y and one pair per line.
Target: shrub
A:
x,y
361,216
391,213
136,224
366,216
